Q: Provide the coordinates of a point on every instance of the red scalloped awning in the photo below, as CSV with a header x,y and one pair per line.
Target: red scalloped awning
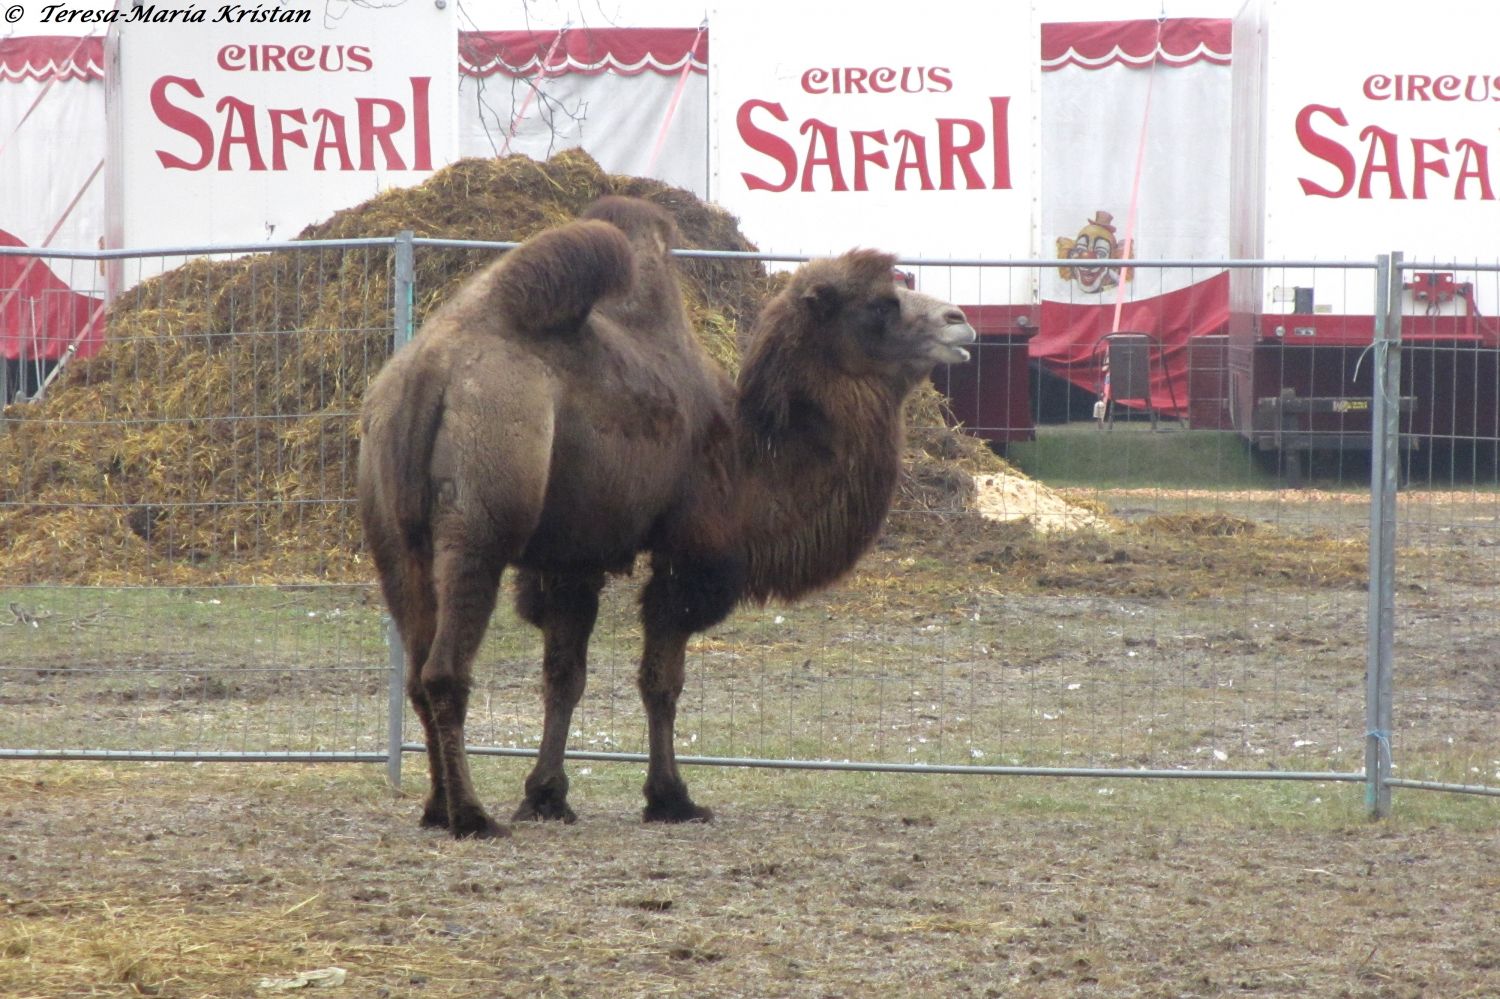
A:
x,y
51,57
1097,44
626,51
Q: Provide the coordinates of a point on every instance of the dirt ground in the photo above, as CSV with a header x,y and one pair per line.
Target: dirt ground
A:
x,y
1203,631
203,882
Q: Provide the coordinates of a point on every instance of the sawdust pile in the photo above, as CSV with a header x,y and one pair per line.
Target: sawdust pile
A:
x,y
1007,496
213,439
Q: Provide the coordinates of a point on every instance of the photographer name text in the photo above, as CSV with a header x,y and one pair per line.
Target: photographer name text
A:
x,y
230,13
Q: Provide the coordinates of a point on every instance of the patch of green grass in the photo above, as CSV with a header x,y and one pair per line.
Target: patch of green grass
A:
x,y
1131,455
51,626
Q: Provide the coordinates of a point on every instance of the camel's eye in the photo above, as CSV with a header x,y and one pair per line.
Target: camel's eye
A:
x,y
884,311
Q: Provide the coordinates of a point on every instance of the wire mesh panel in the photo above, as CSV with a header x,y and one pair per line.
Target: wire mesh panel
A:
x,y
182,564
1151,598
1053,592
1446,717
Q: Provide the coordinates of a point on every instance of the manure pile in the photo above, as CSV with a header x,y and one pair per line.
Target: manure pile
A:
x,y
212,440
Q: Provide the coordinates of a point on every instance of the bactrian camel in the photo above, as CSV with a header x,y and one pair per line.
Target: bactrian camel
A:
x,y
559,416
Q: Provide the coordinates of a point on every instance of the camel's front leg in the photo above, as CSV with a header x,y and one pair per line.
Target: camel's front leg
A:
x,y
565,608
660,681
687,594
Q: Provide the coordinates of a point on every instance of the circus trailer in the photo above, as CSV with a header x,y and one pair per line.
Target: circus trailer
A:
x,y
246,132
897,131
1362,129
52,160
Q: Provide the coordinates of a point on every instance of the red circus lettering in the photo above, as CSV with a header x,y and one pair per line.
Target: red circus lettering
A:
x,y
829,158
1389,163
248,136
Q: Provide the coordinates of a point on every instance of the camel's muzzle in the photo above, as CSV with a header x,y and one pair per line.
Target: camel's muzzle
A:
x,y
958,331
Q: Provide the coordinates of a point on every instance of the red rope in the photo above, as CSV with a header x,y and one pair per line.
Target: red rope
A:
x,y
1127,244
666,122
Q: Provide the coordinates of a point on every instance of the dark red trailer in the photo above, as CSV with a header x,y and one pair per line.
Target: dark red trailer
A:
x,y
991,395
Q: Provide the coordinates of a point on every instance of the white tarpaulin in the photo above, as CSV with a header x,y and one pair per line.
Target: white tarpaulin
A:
x,y
635,98
1134,164
253,137
1135,142
1392,144
249,132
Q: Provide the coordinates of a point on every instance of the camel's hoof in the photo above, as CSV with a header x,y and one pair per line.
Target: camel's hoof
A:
x,y
675,810
435,816
476,825
546,809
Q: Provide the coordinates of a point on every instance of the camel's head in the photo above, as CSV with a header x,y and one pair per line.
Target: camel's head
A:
x,y
873,325
942,327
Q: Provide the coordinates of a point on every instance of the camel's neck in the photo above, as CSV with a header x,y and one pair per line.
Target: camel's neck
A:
x,y
819,478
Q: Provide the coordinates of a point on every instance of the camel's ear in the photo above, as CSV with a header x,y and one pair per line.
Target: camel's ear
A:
x,y
823,301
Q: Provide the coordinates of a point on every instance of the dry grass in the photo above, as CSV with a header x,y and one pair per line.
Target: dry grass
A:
x,y
1168,556
884,887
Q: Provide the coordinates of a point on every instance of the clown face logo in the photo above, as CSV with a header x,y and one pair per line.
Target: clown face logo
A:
x,y
1095,241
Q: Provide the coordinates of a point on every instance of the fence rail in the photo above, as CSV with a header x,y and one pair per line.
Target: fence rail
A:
x,y
212,440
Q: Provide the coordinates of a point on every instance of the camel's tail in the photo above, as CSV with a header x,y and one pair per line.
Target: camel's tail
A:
x,y
403,411
552,281
408,460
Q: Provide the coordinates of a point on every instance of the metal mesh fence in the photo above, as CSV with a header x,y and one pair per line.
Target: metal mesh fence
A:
x,y
1157,595
1446,700
182,559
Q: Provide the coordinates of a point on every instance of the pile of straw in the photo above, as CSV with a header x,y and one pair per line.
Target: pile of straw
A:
x,y
212,440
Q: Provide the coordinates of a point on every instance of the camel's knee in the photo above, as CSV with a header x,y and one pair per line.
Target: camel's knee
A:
x,y
659,699
564,686
541,597
690,596
415,692
447,696
660,682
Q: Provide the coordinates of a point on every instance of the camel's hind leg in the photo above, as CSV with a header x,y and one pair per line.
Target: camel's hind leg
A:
x,y
465,584
417,622
406,582
565,608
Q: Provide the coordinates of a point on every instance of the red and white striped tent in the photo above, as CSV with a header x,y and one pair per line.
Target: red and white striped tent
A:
x,y
52,143
635,98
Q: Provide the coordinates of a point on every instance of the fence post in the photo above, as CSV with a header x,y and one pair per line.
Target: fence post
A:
x,y
1385,438
403,287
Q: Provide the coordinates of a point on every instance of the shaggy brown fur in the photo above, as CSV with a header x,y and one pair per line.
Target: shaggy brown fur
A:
x,y
559,416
